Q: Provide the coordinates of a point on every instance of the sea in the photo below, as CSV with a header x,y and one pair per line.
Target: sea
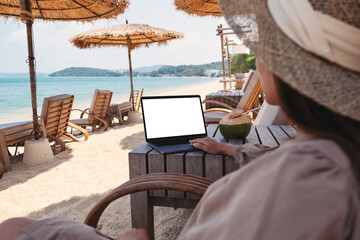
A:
x,y
15,96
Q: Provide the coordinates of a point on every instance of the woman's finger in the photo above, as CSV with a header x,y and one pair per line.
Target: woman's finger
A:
x,y
198,145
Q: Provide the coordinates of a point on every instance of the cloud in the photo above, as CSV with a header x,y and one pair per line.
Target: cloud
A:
x,y
17,36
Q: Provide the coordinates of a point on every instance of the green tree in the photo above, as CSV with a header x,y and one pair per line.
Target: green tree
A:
x,y
242,63
251,62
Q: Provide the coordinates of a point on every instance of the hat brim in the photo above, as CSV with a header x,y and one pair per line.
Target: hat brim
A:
x,y
328,84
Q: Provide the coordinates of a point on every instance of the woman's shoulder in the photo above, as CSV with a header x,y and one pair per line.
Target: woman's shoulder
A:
x,y
315,153
317,163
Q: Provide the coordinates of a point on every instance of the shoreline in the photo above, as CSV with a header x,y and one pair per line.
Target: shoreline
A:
x,y
25,114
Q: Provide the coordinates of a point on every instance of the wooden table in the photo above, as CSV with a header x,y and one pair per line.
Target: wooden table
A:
x,y
145,160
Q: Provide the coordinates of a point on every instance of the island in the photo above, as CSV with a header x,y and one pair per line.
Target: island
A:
x,y
240,63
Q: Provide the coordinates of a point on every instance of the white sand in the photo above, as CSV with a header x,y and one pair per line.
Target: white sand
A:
x,y
77,178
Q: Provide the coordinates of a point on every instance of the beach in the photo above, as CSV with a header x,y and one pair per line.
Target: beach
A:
x,y
71,184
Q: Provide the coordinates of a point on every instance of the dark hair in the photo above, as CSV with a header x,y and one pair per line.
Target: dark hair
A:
x,y
321,122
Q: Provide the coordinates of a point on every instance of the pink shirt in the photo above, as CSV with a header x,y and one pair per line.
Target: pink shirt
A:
x,y
301,190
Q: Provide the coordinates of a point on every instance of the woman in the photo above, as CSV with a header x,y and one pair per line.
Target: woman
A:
x,y
308,59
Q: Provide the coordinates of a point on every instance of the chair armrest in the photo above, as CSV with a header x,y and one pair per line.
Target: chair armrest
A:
x,y
82,111
219,103
155,181
222,97
224,110
225,90
106,125
82,130
121,121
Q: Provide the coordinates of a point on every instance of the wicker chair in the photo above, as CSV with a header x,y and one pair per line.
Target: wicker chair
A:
x,y
55,113
246,103
99,113
154,181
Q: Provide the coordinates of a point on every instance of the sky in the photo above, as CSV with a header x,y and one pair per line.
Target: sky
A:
x,y
54,52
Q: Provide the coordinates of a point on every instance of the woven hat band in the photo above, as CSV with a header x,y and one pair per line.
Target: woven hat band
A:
x,y
318,33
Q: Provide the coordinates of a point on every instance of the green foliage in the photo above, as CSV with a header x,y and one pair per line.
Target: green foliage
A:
x,y
242,63
251,62
84,72
185,70
180,71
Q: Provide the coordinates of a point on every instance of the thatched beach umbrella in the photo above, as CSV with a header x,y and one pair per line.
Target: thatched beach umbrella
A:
x,y
199,7
56,10
127,35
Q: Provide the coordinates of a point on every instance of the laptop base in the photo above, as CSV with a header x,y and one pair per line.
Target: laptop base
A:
x,y
173,148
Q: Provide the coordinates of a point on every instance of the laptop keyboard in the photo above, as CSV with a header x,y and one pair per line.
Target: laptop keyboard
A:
x,y
172,142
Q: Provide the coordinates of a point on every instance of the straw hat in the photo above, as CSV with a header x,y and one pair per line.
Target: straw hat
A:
x,y
334,84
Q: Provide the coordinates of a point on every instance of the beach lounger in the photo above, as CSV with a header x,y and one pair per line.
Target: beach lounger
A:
x,y
122,109
14,135
99,113
246,103
230,97
55,113
137,96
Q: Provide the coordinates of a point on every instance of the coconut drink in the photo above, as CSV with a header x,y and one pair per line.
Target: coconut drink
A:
x,y
235,125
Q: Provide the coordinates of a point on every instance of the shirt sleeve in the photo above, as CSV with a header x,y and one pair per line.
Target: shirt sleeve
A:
x,y
248,152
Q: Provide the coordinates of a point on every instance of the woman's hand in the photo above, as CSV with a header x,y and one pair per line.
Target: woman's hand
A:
x,y
134,234
214,147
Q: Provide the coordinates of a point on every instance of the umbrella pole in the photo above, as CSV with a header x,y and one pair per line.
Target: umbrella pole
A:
x,y
37,131
131,80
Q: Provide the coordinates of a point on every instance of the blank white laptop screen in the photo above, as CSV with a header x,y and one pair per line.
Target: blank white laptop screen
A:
x,y
172,117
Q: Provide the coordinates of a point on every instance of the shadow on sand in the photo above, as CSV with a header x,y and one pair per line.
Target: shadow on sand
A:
x,y
115,219
133,141
21,173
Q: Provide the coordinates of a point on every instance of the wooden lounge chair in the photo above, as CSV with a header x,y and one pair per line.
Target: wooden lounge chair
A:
x,y
248,79
229,97
99,113
14,135
56,115
137,96
122,109
154,181
246,103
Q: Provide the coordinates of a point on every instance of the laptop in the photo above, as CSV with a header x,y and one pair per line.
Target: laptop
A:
x,y
171,121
